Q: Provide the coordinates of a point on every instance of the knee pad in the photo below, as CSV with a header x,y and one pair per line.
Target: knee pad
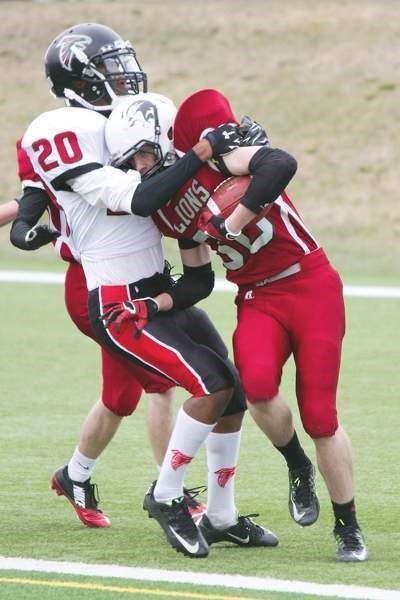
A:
x,y
259,386
320,420
122,401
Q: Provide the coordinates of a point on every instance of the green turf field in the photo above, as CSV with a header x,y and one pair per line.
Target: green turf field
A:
x,y
50,377
48,587
323,77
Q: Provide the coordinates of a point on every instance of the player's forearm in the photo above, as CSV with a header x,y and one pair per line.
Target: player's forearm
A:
x,y
32,205
240,217
194,285
153,193
271,170
125,192
8,212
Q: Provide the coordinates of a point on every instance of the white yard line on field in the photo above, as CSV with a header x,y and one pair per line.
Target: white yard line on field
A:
x,y
361,291
204,579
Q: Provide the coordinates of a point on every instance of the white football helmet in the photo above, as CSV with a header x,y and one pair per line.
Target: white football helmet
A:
x,y
145,119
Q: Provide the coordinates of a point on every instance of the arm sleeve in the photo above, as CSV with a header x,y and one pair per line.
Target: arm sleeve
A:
x,y
195,284
32,205
124,191
153,193
271,170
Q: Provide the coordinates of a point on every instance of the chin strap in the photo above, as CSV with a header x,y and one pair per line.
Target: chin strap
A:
x,y
71,96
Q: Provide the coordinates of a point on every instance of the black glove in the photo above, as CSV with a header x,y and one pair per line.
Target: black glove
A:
x,y
253,134
40,235
139,311
215,226
224,139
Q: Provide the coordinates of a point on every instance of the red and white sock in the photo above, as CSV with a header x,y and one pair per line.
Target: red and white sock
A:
x,y
187,437
222,458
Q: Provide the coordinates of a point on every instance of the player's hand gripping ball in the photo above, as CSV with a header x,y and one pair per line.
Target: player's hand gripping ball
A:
x,y
223,201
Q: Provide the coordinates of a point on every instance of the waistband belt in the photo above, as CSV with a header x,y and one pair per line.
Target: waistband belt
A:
x,y
285,273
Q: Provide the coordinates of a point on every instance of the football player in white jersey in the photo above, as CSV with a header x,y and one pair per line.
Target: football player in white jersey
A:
x,y
106,213
120,390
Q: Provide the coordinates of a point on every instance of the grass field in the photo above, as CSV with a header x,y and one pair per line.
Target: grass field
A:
x,y
50,377
323,77
50,587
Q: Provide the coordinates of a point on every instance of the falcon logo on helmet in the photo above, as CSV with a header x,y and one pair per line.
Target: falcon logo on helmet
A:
x,y
67,45
142,111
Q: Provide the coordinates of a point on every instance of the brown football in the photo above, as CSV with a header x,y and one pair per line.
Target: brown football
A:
x,y
227,195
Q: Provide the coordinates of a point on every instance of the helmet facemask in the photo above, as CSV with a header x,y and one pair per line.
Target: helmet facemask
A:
x,y
112,73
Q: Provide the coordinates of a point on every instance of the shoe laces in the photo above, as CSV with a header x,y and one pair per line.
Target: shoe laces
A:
x,y
349,537
246,521
303,484
179,517
190,495
92,496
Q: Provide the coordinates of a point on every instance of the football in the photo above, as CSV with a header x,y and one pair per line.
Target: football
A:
x,y
227,195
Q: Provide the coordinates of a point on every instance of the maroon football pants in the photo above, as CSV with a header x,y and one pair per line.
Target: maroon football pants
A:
x,y
301,315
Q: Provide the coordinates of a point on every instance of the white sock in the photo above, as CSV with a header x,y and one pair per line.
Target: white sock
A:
x,y
222,458
80,467
187,437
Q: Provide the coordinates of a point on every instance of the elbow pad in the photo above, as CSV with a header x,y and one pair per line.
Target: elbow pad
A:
x,y
271,170
195,284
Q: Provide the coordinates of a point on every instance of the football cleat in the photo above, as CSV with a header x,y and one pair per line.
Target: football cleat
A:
x,y
350,544
178,526
83,497
196,509
303,500
244,533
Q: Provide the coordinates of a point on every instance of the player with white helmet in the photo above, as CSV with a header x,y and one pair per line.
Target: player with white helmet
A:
x,y
145,120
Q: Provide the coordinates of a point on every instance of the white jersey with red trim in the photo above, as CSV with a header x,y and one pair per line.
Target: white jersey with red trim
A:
x,y
68,152
276,242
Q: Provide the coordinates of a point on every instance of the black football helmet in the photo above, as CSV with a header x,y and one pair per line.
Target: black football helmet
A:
x,y
89,65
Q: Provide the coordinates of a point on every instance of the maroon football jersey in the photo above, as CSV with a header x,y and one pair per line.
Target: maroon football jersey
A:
x,y
271,245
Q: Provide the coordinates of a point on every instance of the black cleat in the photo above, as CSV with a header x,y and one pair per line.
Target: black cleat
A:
x,y
177,524
350,544
303,500
244,533
83,497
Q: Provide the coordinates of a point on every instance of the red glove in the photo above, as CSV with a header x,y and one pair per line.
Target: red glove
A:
x,y
215,226
139,311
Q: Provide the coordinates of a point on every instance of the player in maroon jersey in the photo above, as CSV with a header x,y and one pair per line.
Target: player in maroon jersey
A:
x,y
280,270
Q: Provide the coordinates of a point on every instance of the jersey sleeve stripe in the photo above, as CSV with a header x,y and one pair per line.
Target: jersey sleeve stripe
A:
x,y
60,184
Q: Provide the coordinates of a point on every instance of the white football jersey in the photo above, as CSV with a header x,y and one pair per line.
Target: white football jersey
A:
x,y
67,149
